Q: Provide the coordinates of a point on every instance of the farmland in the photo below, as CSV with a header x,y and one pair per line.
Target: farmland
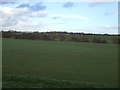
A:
x,y
79,64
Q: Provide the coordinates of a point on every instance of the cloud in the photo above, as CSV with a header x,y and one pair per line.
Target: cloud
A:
x,y
11,16
68,4
93,4
36,7
7,3
29,26
111,12
39,14
77,17
110,27
23,5
103,0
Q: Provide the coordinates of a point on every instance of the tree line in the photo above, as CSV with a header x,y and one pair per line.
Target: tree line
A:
x,y
62,36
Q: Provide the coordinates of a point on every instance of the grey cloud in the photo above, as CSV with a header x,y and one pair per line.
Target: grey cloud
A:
x,y
7,3
68,4
75,17
10,22
93,4
23,5
36,7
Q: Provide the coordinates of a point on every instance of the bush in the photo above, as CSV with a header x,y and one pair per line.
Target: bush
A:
x,y
116,40
84,39
62,38
81,39
98,40
75,39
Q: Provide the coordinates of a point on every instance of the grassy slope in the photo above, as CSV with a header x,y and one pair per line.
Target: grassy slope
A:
x,y
87,62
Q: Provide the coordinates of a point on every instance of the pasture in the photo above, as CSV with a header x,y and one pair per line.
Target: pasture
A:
x,y
61,61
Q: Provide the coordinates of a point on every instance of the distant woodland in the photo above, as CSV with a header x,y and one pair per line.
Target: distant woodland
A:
x,y
63,36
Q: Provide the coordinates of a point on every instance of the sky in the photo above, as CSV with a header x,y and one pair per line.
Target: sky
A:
x,y
86,17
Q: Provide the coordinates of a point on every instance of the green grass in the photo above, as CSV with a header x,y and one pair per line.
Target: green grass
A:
x,y
24,81
69,61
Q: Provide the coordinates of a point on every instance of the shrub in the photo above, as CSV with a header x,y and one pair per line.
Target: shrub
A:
x,y
98,40
116,40
84,39
75,39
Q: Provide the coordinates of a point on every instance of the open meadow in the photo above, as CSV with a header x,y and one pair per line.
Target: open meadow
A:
x,y
37,63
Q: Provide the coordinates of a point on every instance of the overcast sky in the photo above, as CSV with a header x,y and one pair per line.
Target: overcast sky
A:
x,y
87,17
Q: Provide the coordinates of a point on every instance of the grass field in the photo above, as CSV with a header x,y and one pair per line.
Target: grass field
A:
x,y
62,61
